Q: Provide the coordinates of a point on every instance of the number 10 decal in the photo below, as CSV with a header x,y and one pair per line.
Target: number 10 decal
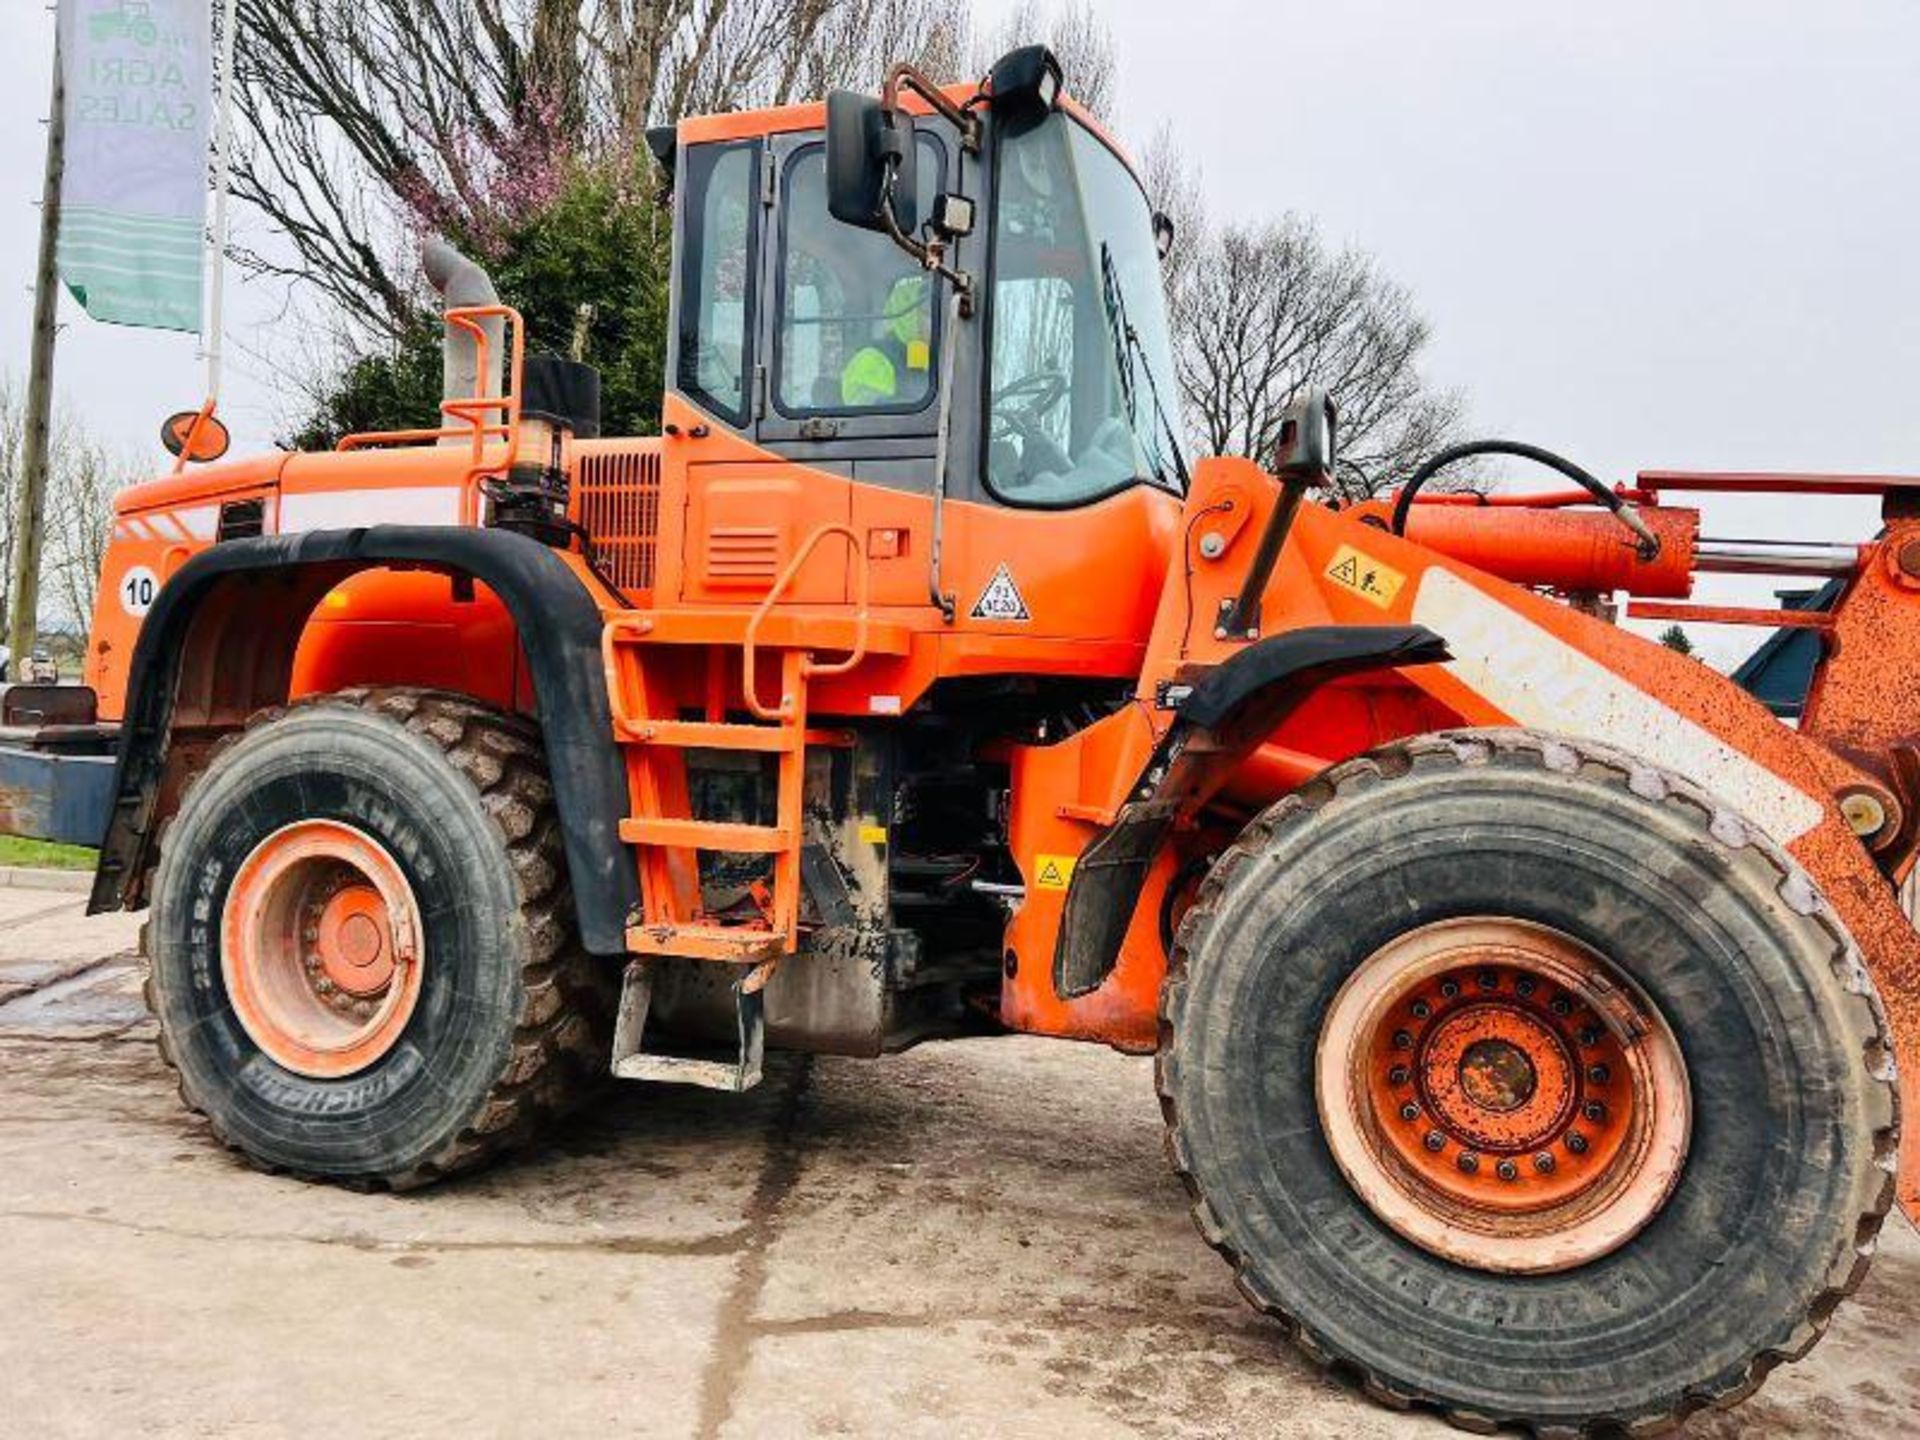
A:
x,y
137,590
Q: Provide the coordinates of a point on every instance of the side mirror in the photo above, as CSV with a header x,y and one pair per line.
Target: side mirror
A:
x,y
865,143
195,436
1307,449
1163,234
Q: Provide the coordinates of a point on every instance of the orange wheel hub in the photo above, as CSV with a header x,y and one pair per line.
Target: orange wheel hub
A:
x,y
321,949
1502,1095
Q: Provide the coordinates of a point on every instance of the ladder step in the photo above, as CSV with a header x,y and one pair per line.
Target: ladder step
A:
x,y
702,735
730,944
677,1070
631,1062
707,835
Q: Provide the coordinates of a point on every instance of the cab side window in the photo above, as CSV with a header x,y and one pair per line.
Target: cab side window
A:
x,y
858,328
716,282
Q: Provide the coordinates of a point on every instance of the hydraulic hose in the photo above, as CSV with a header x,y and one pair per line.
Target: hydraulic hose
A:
x,y
1649,543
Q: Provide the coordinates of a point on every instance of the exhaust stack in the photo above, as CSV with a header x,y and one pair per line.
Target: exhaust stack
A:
x,y
461,282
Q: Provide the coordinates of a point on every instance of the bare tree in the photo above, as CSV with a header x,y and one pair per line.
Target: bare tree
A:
x,y
86,476
368,120
1261,311
83,477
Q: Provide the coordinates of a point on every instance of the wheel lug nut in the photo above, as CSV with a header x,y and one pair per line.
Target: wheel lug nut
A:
x,y
1577,1143
1599,1074
1468,1162
324,986
364,1009
1402,1040
1507,1170
1594,1111
1560,1005
1449,988
1525,986
1398,1075
1543,1162
1489,980
1409,1111
1590,1035
1435,1141
1421,1010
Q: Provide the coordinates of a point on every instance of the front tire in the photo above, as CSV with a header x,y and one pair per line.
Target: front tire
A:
x,y
362,948
1569,865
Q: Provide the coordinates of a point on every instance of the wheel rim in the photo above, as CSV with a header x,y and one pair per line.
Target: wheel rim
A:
x,y
321,949
1501,1095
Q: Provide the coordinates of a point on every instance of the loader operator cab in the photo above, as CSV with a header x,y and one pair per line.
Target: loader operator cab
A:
x,y
818,271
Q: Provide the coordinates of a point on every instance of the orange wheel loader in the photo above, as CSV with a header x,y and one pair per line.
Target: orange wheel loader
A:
x,y
1526,997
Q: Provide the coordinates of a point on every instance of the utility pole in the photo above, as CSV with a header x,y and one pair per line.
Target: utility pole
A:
x,y
29,521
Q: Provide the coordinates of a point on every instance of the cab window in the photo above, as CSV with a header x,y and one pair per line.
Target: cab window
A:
x,y
1082,392
716,284
858,327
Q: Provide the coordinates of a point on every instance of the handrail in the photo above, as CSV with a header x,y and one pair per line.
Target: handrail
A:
x,y
862,621
611,634
472,410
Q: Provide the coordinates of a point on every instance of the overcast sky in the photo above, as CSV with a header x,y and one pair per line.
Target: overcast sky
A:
x,y
1647,235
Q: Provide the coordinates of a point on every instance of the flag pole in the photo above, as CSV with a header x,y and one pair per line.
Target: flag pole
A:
x,y
23,630
214,342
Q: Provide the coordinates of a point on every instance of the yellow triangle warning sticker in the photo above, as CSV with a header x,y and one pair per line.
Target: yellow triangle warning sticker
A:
x,y
1362,575
1053,872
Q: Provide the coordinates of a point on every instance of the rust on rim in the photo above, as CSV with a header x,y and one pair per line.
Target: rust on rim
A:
x,y
321,949
1501,1095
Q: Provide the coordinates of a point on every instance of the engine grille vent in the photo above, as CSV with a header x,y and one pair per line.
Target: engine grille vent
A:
x,y
243,519
618,493
747,555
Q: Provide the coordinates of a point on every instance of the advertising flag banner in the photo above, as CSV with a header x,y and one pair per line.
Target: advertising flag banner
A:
x,y
134,200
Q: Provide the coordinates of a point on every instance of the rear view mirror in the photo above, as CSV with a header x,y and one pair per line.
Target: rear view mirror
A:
x,y
1308,436
865,143
195,436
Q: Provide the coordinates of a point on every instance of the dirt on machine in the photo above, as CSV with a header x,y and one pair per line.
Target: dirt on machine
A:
x,y
1531,1004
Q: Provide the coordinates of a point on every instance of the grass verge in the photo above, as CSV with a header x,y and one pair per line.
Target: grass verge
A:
x,y
45,855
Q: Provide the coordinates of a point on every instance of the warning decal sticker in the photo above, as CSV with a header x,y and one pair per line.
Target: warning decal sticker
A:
x,y
1002,601
1366,577
1053,872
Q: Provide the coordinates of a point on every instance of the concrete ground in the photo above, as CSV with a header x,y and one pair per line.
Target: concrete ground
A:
x,y
978,1238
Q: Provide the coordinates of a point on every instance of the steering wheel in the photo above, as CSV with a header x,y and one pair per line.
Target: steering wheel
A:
x,y
1017,411
1027,401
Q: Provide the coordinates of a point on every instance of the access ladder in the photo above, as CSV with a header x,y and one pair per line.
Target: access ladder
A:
x,y
647,722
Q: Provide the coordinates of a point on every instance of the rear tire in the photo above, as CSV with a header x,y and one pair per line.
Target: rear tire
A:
x,y
508,1023
1788,1168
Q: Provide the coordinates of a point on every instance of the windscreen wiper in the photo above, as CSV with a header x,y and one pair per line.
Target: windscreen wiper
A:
x,y
1130,349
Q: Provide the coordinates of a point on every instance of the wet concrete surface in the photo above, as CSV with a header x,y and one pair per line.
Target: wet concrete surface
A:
x,y
970,1239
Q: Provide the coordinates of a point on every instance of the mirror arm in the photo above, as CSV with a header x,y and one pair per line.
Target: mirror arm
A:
x,y
905,77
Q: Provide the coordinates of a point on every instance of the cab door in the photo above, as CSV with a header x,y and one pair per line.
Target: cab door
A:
x,y
742,515
854,333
